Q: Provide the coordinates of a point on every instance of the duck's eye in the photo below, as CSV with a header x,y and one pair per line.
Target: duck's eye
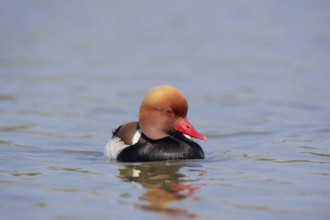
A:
x,y
169,112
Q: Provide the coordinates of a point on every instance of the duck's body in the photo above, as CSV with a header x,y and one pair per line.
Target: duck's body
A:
x,y
162,132
129,144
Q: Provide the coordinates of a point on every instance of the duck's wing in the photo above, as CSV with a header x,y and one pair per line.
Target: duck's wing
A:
x,y
123,137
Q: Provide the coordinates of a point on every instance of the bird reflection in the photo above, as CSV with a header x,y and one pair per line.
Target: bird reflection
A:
x,y
164,185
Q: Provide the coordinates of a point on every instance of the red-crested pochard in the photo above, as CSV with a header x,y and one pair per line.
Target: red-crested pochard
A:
x,y
163,131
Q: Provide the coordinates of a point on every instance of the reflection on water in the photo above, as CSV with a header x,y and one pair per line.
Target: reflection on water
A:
x,y
164,184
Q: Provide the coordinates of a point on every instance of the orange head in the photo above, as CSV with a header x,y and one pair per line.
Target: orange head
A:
x,y
164,110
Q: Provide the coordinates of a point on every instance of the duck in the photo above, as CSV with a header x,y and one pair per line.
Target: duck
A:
x,y
162,132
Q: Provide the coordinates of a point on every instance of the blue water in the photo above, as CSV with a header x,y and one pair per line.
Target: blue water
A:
x,y
257,77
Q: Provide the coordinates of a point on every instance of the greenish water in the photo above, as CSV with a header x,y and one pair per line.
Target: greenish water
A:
x,y
257,78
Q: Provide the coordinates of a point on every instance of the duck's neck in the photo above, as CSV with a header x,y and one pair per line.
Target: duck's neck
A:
x,y
152,125
151,131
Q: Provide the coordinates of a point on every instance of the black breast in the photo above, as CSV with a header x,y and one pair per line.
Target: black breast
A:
x,y
174,147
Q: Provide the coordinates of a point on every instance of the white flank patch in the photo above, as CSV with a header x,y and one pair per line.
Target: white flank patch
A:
x,y
136,137
114,147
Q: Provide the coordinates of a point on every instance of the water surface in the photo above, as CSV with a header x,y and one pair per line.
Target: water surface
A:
x,y
257,78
